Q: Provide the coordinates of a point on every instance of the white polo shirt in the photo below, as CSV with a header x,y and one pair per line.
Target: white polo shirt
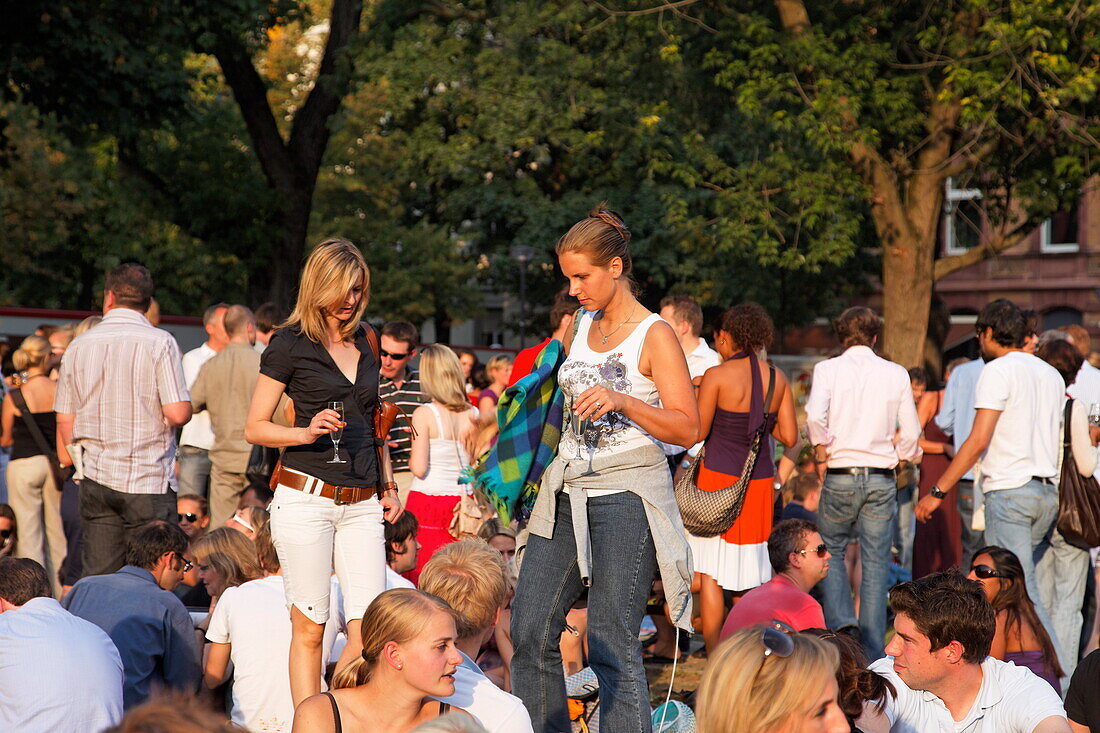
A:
x,y
1029,394
497,710
1011,700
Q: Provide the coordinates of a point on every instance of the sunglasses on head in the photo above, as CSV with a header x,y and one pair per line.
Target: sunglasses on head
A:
x,y
396,357
984,572
777,640
821,550
189,516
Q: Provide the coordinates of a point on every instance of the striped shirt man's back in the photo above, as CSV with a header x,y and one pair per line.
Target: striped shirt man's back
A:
x,y
408,397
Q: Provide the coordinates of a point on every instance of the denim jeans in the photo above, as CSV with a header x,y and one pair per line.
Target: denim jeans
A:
x,y
972,539
863,508
905,528
624,562
1020,520
194,475
1062,571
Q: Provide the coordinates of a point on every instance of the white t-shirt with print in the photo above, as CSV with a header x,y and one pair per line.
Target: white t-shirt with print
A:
x,y
1028,393
253,619
1011,700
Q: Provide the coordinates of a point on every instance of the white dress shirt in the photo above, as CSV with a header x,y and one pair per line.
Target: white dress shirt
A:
x,y
702,358
956,415
858,403
1011,700
1029,394
198,432
57,672
1086,390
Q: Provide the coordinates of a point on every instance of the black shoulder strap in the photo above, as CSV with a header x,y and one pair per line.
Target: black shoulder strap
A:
x,y
771,388
32,426
335,712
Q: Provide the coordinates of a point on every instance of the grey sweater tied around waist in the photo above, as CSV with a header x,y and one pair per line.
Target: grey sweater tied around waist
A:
x,y
643,471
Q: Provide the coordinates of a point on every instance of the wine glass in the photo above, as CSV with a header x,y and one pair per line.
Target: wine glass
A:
x,y
338,433
1094,414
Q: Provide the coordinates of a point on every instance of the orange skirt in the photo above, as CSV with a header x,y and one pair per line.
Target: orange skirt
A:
x,y
755,522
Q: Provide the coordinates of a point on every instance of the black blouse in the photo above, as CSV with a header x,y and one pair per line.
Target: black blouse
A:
x,y
312,379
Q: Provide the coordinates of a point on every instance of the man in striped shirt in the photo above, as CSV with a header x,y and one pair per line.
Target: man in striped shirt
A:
x,y
400,385
120,397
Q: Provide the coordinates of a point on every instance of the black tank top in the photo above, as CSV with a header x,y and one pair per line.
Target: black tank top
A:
x,y
23,443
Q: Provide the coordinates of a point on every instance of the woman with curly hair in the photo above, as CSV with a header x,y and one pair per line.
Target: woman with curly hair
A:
x,y
731,408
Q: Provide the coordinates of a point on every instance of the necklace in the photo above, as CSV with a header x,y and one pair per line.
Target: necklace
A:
x,y
605,336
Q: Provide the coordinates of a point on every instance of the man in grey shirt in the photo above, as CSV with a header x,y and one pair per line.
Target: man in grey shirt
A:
x,y
146,621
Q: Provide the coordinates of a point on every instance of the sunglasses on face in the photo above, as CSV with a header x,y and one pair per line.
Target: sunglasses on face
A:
x,y
984,572
186,563
189,516
396,357
821,550
4,534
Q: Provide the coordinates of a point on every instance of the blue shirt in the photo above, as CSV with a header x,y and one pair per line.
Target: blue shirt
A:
x,y
795,510
956,415
149,625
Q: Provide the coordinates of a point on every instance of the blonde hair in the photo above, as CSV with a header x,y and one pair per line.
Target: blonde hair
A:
x,y
451,723
333,268
231,553
498,362
396,615
33,352
470,576
493,527
745,691
86,325
441,377
266,555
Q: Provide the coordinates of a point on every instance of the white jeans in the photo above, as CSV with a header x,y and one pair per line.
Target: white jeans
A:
x,y
313,536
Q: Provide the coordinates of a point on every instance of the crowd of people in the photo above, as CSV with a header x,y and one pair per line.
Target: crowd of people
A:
x,y
287,528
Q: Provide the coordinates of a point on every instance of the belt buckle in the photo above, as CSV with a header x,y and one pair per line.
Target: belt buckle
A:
x,y
336,496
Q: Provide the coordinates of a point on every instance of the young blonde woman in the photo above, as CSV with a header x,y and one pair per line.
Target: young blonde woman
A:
x,y
32,492
499,371
325,515
438,455
762,680
408,658
606,517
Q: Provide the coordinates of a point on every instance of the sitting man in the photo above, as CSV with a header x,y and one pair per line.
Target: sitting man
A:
x,y
942,673
804,499
136,607
401,550
57,672
800,560
470,576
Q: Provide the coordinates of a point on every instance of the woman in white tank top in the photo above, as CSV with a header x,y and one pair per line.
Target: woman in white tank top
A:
x,y
605,517
438,456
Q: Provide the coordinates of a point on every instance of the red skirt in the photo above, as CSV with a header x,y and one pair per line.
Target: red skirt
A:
x,y
434,514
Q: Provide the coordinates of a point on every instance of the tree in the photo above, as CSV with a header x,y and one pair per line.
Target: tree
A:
x,y
896,98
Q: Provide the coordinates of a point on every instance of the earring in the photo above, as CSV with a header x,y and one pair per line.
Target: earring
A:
x,y
400,666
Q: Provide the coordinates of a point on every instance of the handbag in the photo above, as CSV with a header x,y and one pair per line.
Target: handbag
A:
x,y
710,513
39,439
1078,498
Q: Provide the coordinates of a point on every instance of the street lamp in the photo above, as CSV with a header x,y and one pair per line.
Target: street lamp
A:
x,y
522,254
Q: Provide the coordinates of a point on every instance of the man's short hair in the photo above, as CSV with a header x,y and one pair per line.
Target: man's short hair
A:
x,y
686,309
787,536
804,485
1033,322
148,542
470,576
268,317
397,532
209,313
1080,336
564,305
948,607
1006,321
857,326
22,579
402,331
132,286
237,319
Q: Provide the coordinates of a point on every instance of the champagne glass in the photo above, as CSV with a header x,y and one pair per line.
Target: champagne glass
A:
x,y
1094,414
337,434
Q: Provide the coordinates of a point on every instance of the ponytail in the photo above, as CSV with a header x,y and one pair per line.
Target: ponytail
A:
x,y
358,672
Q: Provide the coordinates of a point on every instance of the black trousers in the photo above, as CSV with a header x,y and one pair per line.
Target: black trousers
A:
x,y
109,516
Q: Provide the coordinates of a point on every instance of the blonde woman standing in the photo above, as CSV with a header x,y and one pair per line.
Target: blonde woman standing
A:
x,y
499,371
32,492
331,492
438,455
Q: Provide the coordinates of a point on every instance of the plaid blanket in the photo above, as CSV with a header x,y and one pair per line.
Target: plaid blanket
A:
x,y
529,415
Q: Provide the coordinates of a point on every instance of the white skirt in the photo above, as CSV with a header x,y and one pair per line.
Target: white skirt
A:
x,y
735,567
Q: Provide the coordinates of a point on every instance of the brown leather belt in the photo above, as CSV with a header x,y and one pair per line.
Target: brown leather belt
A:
x,y
338,494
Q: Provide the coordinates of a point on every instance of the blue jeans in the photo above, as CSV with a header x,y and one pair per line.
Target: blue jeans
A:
x,y
972,539
194,475
863,508
1061,573
623,565
1020,520
905,528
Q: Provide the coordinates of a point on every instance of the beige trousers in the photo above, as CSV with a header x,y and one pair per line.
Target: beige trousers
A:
x,y
225,494
36,502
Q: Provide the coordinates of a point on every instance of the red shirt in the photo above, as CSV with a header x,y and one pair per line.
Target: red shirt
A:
x,y
778,599
525,361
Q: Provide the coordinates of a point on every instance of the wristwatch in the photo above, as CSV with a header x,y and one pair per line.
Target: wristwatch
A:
x,y
936,492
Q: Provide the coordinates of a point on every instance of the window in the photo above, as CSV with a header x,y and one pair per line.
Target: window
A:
x,y
962,219
1059,233
1062,316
